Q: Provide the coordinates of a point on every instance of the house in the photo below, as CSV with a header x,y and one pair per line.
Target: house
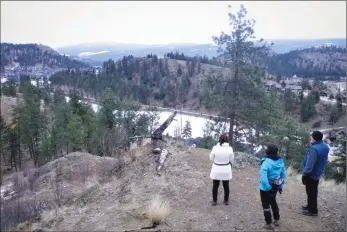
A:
x,y
293,88
323,94
272,86
333,135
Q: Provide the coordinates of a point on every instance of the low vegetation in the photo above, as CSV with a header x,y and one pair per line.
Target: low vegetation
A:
x,y
158,210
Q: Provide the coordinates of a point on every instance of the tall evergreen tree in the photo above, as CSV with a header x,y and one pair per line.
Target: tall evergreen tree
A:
x,y
244,86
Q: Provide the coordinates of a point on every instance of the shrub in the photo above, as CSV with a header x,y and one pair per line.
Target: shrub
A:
x,y
316,124
207,142
158,210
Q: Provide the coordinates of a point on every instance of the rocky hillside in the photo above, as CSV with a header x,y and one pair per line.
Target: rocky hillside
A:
x,y
29,55
85,192
311,62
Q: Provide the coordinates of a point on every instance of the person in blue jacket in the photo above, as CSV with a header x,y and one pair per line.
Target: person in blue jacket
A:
x,y
315,160
272,178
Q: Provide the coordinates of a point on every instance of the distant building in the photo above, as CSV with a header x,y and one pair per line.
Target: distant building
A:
x,y
293,88
272,86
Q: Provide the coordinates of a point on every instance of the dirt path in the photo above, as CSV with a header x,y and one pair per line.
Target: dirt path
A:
x,y
244,211
120,204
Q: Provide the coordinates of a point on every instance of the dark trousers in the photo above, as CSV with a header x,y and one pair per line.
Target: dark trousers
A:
x,y
312,193
268,198
215,190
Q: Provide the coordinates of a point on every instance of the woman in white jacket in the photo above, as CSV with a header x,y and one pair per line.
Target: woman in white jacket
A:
x,y
222,156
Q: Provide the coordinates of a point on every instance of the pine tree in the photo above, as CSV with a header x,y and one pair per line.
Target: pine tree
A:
x,y
290,101
30,111
244,86
75,133
307,108
187,130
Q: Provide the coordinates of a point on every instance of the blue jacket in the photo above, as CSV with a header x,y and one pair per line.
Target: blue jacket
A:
x,y
271,168
315,160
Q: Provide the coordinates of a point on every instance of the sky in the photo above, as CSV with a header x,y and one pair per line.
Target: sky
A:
x,y
58,24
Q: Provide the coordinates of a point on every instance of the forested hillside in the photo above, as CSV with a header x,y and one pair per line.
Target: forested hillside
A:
x,y
34,54
168,81
311,62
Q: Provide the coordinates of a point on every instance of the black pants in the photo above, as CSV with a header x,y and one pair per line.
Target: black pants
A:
x,y
312,193
268,198
215,190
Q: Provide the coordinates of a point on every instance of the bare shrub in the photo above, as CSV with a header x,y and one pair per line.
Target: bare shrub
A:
x,y
82,173
30,175
108,168
20,182
58,191
18,210
158,210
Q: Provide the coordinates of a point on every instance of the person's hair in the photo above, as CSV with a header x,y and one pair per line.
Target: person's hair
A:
x,y
271,150
317,135
223,139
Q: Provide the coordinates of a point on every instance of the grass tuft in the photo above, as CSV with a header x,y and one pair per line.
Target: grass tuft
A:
x,y
158,210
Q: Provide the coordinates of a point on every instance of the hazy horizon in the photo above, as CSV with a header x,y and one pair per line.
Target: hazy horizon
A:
x,y
59,24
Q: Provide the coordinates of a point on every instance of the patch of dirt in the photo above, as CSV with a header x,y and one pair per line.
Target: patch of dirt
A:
x,y
120,202
7,106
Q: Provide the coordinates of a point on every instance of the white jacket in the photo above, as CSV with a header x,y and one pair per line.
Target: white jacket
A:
x,y
221,154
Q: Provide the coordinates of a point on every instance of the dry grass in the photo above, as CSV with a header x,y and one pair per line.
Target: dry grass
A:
x,y
24,180
326,185
158,210
291,172
331,185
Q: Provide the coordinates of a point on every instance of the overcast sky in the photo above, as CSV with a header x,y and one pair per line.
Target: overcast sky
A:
x,y
67,23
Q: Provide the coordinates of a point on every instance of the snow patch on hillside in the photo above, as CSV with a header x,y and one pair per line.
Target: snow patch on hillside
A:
x,y
84,54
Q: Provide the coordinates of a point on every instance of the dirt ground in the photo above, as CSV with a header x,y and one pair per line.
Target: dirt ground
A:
x,y
120,203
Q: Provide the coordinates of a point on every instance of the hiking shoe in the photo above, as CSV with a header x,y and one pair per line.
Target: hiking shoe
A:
x,y
276,223
226,202
304,207
268,227
308,213
214,203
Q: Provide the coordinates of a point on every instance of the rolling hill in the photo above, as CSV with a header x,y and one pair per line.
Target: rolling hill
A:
x,y
96,53
310,62
31,55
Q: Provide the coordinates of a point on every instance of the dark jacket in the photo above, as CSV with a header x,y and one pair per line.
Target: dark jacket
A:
x,y
315,160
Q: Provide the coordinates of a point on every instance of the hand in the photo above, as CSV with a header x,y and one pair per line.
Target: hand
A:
x,y
280,188
304,179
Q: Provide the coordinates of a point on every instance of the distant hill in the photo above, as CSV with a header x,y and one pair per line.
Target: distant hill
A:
x,y
29,55
96,53
310,62
99,52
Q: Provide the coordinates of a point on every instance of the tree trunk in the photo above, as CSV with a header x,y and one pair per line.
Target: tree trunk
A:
x,y
19,151
235,98
231,129
157,134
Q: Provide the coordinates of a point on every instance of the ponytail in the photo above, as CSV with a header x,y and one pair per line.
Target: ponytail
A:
x,y
223,139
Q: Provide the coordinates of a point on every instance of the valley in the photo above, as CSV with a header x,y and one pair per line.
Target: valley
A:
x,y
121,136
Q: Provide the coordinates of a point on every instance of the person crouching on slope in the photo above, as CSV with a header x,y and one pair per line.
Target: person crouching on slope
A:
x,y
272,177
222,156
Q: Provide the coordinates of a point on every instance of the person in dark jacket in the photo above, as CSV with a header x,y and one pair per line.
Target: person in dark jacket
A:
x,y
272,178
314,164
